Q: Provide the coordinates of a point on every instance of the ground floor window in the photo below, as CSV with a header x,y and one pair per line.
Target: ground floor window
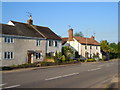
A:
x,y
8,55
38,55
51,53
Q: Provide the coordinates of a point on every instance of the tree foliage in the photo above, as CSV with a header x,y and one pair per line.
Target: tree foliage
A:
x,y
110,49
105,46
68,52
79,34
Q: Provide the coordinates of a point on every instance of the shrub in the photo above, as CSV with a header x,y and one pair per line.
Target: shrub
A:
x,y
90,60
63,58
103,57
48,63
7,68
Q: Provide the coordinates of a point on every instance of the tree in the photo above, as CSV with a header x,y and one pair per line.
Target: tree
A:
x,y
105,46
114,47
68,52
79,34
58,56
109,49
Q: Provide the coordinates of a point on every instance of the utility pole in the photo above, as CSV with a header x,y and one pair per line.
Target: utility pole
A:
x,y
86,45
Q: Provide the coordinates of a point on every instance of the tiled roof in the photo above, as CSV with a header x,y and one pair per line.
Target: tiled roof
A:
x,y
49,34
20,30
24,29
64,40
82,40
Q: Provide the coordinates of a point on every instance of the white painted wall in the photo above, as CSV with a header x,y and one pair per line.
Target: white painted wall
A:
x,y
91,51
20,48
81,48
53,48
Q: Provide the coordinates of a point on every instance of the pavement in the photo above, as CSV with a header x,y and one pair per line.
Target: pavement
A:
x,y
45,67
35,68
85,75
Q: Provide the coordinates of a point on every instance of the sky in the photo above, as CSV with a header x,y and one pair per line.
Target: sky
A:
x,y
100,18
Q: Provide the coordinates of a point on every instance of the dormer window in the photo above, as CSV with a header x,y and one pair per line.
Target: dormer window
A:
x,y
8,40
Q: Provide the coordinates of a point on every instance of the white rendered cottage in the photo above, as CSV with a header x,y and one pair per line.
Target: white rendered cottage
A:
x,y
26,43
86,47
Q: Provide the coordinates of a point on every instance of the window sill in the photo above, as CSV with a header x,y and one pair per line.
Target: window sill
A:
x,y
8,59
9,43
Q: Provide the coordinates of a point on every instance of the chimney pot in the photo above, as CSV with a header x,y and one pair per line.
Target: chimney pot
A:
x,y
92,37
30,21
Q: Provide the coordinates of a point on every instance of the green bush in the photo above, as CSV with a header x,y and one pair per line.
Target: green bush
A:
x,y
19,66
48,63
63,58
103,57
90,60
7,68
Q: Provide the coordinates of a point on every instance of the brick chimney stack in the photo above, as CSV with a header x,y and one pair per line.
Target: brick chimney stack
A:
x,y
30,21
92,37
70,31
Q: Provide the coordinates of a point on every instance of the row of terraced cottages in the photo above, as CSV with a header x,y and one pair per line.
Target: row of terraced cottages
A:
x,y
27,43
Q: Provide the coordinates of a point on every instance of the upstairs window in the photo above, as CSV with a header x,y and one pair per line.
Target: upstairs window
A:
x,y
96,47
51,43
85,46
90,47
37,42
55,43
8,40
8,55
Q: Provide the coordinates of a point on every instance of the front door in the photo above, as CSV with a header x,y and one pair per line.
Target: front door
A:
x,y
30,58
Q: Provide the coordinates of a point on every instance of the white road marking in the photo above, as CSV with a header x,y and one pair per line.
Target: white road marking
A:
x,y
2,84
94,69
62,76
53,78
12,86
107,80
70,74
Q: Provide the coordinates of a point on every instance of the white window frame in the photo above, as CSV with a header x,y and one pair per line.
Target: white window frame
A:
x,y
85,47
39,55
8,40
96,47
8,57
55,43
90,47
51,42
38,42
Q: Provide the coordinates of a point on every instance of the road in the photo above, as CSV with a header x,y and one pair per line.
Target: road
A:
x,y
85,75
